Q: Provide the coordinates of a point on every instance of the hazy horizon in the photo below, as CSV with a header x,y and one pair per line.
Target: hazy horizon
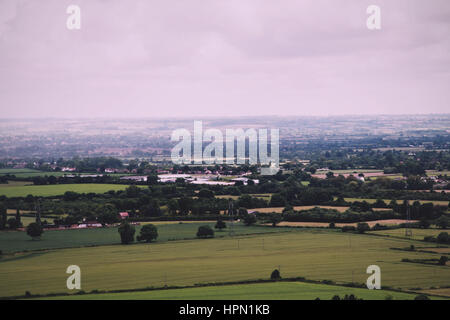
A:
x,y
214,117
196,59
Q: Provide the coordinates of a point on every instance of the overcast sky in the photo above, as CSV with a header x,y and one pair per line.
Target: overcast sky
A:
x,y
223,57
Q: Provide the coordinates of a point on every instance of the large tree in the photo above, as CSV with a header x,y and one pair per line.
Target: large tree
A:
x,y
3,216
148,233
220,224
18,216
249,219
126,232
205,232
34,230
362,227
107,213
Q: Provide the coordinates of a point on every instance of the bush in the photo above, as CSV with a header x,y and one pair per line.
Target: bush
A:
x,y
421,297
126,232
424,224
429,239
332,225
249,219
379,227
220,224
205,232
148,233
443,237
242,212
275,275
205,193
350,297
34,230
362,227
443,260
288,209
275,219
346,297
348,228
13,223
442,222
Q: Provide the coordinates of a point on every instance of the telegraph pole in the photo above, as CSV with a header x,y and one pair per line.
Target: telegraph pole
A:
x,y
408,231
231,213
37,207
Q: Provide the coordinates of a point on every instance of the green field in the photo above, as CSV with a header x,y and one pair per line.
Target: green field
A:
x,y
27,220
58,189
256,291
417,234
15,171
16,241
16,184
30,173
310,253
349,171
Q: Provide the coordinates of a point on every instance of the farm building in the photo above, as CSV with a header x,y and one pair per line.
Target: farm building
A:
x,y
123,215
90,224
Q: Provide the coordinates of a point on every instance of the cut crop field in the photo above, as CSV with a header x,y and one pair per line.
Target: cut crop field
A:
x,y
15,241
58,189
385,222
434,202
310,253
257,291
265,196
302,208
438,173
297,208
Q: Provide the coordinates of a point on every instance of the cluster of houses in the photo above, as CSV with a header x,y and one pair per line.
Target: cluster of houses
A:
x,y
194,179
87,224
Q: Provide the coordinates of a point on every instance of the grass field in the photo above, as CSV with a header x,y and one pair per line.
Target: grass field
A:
x,y
58,189
16,184
256,291
15,241
30,173
313,254
14,171
417,234
27,220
